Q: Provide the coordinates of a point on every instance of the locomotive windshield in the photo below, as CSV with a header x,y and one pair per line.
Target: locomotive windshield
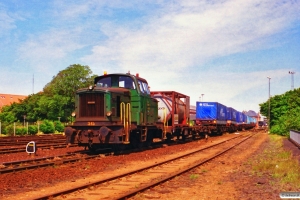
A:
x,y
117,81
123,81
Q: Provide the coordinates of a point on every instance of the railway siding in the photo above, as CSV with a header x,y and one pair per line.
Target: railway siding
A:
x,y
149,175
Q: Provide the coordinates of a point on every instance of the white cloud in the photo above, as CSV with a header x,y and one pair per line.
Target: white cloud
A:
x,y
43,50
7,23
192,35
163,43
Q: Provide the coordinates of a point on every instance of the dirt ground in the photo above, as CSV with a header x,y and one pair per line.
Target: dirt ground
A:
x,y
227,177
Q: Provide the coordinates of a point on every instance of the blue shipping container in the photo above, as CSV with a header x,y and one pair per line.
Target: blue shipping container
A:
x,y
231,114
210,111
239,117
244,117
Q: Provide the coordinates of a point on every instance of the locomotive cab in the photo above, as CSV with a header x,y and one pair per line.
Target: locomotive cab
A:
x,y
118,109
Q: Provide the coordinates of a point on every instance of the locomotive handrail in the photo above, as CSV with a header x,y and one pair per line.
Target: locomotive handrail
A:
x,y
126,119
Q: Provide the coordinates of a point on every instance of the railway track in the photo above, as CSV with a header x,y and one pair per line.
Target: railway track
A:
x,y
14,166
122,185
44,146
24,142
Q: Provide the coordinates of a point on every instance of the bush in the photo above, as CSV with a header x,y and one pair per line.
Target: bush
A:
x,y
59,127
10,129
21,130
32,129
279,130
47,127
3,130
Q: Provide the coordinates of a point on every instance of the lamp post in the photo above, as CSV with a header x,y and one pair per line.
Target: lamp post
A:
x,y
269,105
292,76
24,116
202,96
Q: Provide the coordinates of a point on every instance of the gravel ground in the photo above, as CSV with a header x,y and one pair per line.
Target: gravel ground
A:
x,y
227,177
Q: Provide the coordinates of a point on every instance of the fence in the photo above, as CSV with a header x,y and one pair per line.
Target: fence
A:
x,y
14,128
19,124
295,137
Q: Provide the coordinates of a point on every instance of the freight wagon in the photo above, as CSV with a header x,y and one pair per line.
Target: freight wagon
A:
x,y
212,115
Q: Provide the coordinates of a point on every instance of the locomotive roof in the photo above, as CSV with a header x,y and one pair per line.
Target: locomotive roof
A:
x,y
120,74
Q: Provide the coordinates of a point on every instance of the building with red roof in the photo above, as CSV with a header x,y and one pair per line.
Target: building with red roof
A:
x,y
8,99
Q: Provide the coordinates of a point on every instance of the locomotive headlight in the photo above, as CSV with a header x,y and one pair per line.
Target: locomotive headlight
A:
x,y
73,114
109,113
91,87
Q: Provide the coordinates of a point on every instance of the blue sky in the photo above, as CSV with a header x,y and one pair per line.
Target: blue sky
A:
x,y
223,49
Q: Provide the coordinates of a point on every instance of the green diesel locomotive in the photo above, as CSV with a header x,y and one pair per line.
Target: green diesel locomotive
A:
x,y
117,110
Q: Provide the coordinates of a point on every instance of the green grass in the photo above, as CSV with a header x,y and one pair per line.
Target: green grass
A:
x,y
194,176
277,162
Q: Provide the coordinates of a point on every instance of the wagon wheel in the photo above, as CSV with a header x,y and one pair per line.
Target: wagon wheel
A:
x,y
169,137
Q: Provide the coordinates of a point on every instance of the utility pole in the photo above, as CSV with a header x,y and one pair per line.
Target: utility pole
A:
x,y
269,106
292,76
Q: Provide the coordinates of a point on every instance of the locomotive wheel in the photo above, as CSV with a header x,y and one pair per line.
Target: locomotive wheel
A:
x,y
118,148
92,149
135,140
149,139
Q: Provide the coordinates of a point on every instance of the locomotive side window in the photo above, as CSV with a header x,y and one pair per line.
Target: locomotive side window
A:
x,y
143,87
146,88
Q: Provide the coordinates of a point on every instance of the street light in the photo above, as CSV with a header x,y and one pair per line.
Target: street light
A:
x,y
269,105
24,116
292,76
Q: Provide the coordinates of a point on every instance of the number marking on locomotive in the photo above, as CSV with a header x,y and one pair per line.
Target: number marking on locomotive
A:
x,y
91,124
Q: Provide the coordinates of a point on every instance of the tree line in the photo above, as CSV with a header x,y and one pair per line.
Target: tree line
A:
x,y
284,112
54,104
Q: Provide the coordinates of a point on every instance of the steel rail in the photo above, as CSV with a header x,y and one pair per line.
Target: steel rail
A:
x,y
23,142
170,176
23,149
43,162
114,177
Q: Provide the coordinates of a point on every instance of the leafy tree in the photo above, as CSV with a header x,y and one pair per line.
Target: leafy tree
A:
x,y
284,111
67,81
7,115
56,101
65,84
54,107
